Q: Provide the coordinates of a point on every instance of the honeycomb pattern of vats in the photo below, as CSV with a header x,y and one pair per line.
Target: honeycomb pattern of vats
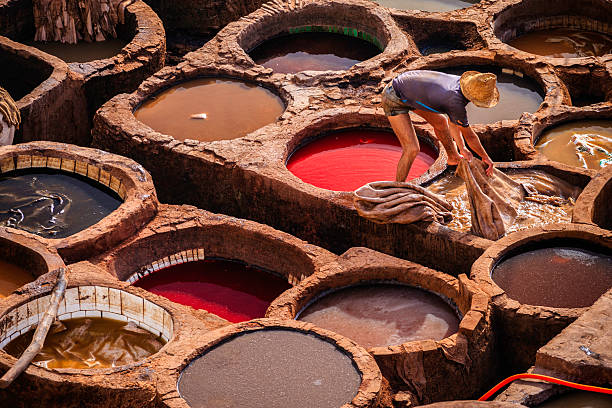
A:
x,y
247,177
449,369
255,164
128,179
62,106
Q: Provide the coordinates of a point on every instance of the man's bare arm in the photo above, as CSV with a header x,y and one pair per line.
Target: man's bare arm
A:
x,y
473,141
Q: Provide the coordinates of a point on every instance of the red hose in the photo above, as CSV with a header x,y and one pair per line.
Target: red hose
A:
x,y
515,377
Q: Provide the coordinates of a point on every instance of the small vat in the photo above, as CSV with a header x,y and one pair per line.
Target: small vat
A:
x,y
362,276
530,213
517,94
344,160
382,314
98,327
312,368
20,74
229,289
80,201
428,5
571,295
559,275
564,43
586,143
53,204
209,109
315,48
23,258
90,342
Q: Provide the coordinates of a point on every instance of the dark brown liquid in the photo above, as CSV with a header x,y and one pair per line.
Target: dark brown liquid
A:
x,y
580,399
555,277
232,109
90,343
52,205
530,213
564,43
271,369
12,277
586,144
383,315
427,5
516,95
81,51
312,52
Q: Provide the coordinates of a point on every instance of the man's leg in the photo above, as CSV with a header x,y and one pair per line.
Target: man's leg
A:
x,y
439,123
402,126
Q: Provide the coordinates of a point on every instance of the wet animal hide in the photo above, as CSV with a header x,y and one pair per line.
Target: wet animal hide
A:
x,y
70,21
10,118
404,203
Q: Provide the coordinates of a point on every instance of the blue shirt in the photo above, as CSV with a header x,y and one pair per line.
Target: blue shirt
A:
x,y
433,91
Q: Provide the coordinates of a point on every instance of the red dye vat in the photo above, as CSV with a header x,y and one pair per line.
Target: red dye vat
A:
x,y
229,289
348,159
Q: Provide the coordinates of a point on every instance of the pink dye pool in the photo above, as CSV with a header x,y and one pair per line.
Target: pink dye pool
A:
x,y
229,289
348,159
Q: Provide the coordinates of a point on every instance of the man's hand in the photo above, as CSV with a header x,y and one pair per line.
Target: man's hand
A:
x,y
467,155
489,164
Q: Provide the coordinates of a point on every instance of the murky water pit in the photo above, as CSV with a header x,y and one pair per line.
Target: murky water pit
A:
x,y
229,289
20,75
309,371
428,5
53,204
382,314
585,143
517,94
567,274
564,43
531,212
208,109
345,160
316,48
106,335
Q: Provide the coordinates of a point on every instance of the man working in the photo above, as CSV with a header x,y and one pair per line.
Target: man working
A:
x,y
432,95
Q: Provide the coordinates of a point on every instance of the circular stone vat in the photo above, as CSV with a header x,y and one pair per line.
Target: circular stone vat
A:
x,y
53,204
209,109
315,48
556,28
531,213
385,306
578,399
312,368
517,94
22,260
80,201
231,290
344,160
97,327
90,342
585,143
559,275
382,314
566,287
428,5
564,43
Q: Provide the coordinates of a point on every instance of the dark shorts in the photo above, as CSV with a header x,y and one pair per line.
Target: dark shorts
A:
x,y
391,102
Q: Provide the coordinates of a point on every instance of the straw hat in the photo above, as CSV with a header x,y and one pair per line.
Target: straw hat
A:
x,y
479,88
